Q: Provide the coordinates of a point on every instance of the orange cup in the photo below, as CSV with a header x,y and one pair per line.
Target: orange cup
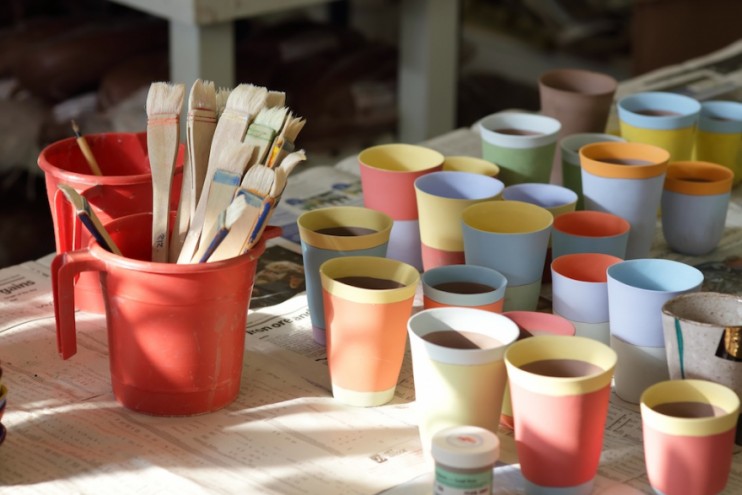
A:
x,y
367,302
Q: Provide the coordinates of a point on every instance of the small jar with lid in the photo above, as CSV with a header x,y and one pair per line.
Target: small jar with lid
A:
x,y
464,459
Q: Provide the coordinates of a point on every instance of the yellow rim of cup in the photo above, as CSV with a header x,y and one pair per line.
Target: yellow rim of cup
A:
x,y
369,266
470,164
690,391
507,217
400,157
698,178
344,216
541,347
593,156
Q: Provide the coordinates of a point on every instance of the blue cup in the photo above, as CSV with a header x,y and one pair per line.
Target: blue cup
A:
x,y
334,232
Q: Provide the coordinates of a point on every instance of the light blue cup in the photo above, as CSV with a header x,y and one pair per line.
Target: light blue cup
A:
x,y
511,237
318,247
694,206
588,231
637,289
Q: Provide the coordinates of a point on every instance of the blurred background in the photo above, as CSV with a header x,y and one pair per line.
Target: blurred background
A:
x,y
337,61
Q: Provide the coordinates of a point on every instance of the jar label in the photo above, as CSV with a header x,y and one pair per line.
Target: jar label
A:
x,y
455,483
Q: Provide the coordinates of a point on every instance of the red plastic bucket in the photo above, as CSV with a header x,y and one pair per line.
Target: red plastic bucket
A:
x,y
176,332
124,188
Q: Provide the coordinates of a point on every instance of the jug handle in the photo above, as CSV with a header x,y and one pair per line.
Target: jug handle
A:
x,y
66,239
64,268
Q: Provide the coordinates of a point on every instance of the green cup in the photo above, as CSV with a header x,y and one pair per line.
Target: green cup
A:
x,y
522,144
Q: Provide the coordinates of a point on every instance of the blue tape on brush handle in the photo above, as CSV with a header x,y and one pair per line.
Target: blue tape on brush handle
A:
x,y
260,223
218,238
228,178
88,223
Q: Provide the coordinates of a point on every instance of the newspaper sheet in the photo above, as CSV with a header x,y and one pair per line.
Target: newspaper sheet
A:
x,y
285,434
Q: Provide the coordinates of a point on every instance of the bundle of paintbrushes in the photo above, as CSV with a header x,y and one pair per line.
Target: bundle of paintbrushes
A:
x,y
239,154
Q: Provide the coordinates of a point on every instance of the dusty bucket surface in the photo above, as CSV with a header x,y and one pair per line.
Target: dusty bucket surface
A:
x,y
124,188
176,332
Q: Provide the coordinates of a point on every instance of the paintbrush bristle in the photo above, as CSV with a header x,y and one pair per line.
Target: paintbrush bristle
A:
x,y
292,127
75,128
234,155
275,99
202,96
259,179
289,163
246,99
272,117
222,94
235,210
165,99
279,182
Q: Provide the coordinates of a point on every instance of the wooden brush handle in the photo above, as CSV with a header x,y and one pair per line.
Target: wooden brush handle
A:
x,y
162,146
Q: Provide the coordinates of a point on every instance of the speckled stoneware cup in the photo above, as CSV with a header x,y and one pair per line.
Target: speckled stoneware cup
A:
x,y
703,339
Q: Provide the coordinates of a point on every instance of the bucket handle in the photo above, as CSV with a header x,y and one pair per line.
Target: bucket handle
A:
x,y
64,268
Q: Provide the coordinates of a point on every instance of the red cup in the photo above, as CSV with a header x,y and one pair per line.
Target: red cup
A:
x,y
176,332
124,188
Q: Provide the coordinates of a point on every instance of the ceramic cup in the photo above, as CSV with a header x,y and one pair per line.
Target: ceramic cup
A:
x,y
532,323
472,164
459,375
569,151
560,388
334,232
388,173
694,206
557,199
720,134
703,339
579,99
688,436
637,289
441,197
521,144
579,292
667,120
367,302
512,237
632,192
464,285
589,231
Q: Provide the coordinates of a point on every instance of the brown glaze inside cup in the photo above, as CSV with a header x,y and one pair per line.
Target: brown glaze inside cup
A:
x,y
689,410
461,339
562,368
370,282
345,231
461,287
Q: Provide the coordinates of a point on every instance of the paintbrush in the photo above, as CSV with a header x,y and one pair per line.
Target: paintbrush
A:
x,y
89,219
164,102
232,161
227,219
283,144
222,94
274,197
200,127
86,151
264,128
275,99
256,188
243,103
